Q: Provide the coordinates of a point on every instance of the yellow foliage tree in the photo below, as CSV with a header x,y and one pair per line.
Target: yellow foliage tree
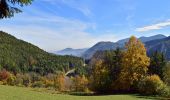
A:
x,y
100,77
80,83
59,82
153,85
135,63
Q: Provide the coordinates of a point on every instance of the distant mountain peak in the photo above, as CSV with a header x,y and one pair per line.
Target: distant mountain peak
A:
x,y
143,38
107,45
104,45
160,45
68,49
71,51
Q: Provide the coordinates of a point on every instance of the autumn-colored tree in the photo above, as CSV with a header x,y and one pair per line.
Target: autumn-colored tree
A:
x,y
59,82
152,85
11,80
80,83
99,77
4,75
135,64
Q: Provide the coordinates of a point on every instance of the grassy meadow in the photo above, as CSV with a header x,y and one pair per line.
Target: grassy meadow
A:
x,y
20,93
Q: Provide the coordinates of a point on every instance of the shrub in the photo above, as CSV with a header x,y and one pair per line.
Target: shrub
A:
x,y
19,80
26,80
34,77
48,83
1,83
4,75
152,85
167,74
38,84
59,82
11,80
68,84
80,83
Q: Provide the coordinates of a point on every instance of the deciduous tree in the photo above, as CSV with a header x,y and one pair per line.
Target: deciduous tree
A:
x,y
100,77
135,64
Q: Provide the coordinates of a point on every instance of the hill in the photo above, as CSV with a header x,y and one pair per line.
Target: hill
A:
x,y
160,45
143,39
101,46
20,56
70,51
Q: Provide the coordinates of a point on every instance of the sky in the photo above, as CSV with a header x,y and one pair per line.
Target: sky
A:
x,y
57,24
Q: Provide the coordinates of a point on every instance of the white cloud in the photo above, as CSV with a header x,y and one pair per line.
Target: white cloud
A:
x,y
84,9
54,33
157,26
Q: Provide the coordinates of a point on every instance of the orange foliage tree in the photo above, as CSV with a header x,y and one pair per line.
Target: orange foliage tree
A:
x,y
59,82
135,64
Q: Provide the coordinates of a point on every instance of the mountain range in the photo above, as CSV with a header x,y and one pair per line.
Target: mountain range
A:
x,y
160,45
157,42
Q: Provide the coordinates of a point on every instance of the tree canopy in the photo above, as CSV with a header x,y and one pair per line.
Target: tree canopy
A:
x,y
135,63
19,56
9,7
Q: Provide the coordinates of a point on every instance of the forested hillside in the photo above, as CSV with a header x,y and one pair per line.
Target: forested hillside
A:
x,y
160,45
20,56
102,46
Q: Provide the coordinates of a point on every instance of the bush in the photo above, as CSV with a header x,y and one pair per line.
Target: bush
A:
x,y
4,75
19,80
26,80
152,85
80,83
48,83
34,77
1,83
167,74
38,84
11,80
59,82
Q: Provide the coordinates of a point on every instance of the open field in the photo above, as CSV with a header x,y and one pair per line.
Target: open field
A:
x,y
19,93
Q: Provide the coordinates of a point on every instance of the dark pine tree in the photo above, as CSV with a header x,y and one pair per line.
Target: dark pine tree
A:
x,y
157,64
9,7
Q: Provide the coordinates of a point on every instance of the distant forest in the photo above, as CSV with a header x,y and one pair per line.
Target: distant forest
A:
x,y
19,56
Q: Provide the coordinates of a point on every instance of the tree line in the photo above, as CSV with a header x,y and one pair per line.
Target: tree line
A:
x,y
19,56
112,71
130,71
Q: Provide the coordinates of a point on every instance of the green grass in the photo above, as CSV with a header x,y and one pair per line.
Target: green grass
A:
x,y
20,93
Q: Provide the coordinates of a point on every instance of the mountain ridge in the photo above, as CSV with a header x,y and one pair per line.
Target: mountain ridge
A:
x,y
20,56
89,53
71,51
108,45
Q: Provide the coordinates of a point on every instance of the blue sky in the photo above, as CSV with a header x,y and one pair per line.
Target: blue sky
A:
x,y
57,24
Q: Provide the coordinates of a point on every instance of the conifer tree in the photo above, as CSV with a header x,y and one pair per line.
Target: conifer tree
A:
x,y
9,7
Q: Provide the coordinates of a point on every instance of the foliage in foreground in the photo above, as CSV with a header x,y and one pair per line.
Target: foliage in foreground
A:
x,y
59,82
20,93
130,72
7,8
153,85
114,71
